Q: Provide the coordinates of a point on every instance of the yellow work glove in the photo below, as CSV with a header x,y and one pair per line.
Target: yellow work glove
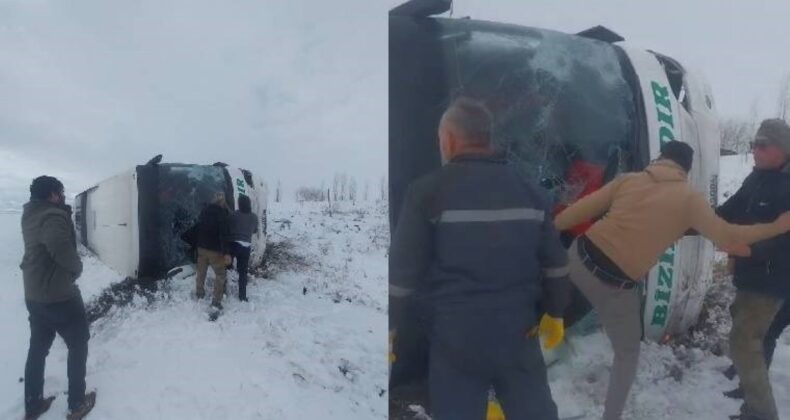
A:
x,y
391,354
552,330
494,411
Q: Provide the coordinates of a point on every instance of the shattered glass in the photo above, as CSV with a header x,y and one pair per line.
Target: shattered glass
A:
x,y
183,191
556,99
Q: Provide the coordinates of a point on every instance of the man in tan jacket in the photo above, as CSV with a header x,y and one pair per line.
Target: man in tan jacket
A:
x,y
642,214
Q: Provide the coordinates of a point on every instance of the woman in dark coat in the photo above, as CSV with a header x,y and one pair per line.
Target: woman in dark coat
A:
x,y
243,225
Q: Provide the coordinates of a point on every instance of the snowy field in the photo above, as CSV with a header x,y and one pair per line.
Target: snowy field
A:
x,y
309,344
674,381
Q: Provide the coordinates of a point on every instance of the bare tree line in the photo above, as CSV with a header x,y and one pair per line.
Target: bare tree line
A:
x,y
738,133
343,187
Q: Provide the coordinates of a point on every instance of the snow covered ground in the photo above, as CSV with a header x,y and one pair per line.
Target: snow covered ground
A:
x,y
309,344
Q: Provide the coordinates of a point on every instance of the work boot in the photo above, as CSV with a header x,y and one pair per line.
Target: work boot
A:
x,y
214,311
735,394
200,294
87,405
745,417
41,407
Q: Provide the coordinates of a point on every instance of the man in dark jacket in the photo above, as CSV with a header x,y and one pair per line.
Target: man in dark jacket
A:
x,y
50,268
476,247
763,278
213,242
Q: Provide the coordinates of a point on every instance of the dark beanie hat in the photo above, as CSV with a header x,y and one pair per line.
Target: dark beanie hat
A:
x,y
678,152
774,131
43,186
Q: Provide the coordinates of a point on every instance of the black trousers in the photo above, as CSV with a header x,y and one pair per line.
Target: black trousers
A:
x,y
242,255
473,351
68,320
457,394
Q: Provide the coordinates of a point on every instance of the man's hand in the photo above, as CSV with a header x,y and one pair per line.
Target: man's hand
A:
x,y
784,221
533,332
228,259
737,250
552,330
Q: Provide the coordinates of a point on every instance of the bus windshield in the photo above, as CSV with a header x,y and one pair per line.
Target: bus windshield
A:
x,y
559,101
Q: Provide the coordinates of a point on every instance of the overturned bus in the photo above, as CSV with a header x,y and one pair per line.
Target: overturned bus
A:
x,y
558,99
135,220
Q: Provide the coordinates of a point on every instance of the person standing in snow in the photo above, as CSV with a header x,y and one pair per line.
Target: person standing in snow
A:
x,y
762,279
243,224
644,213
213,243
476,248
50,268
778,325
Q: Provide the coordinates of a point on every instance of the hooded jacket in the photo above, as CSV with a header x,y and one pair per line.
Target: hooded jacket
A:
x,y
50,265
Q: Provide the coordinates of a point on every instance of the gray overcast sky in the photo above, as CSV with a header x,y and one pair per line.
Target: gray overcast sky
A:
x,y
293,89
